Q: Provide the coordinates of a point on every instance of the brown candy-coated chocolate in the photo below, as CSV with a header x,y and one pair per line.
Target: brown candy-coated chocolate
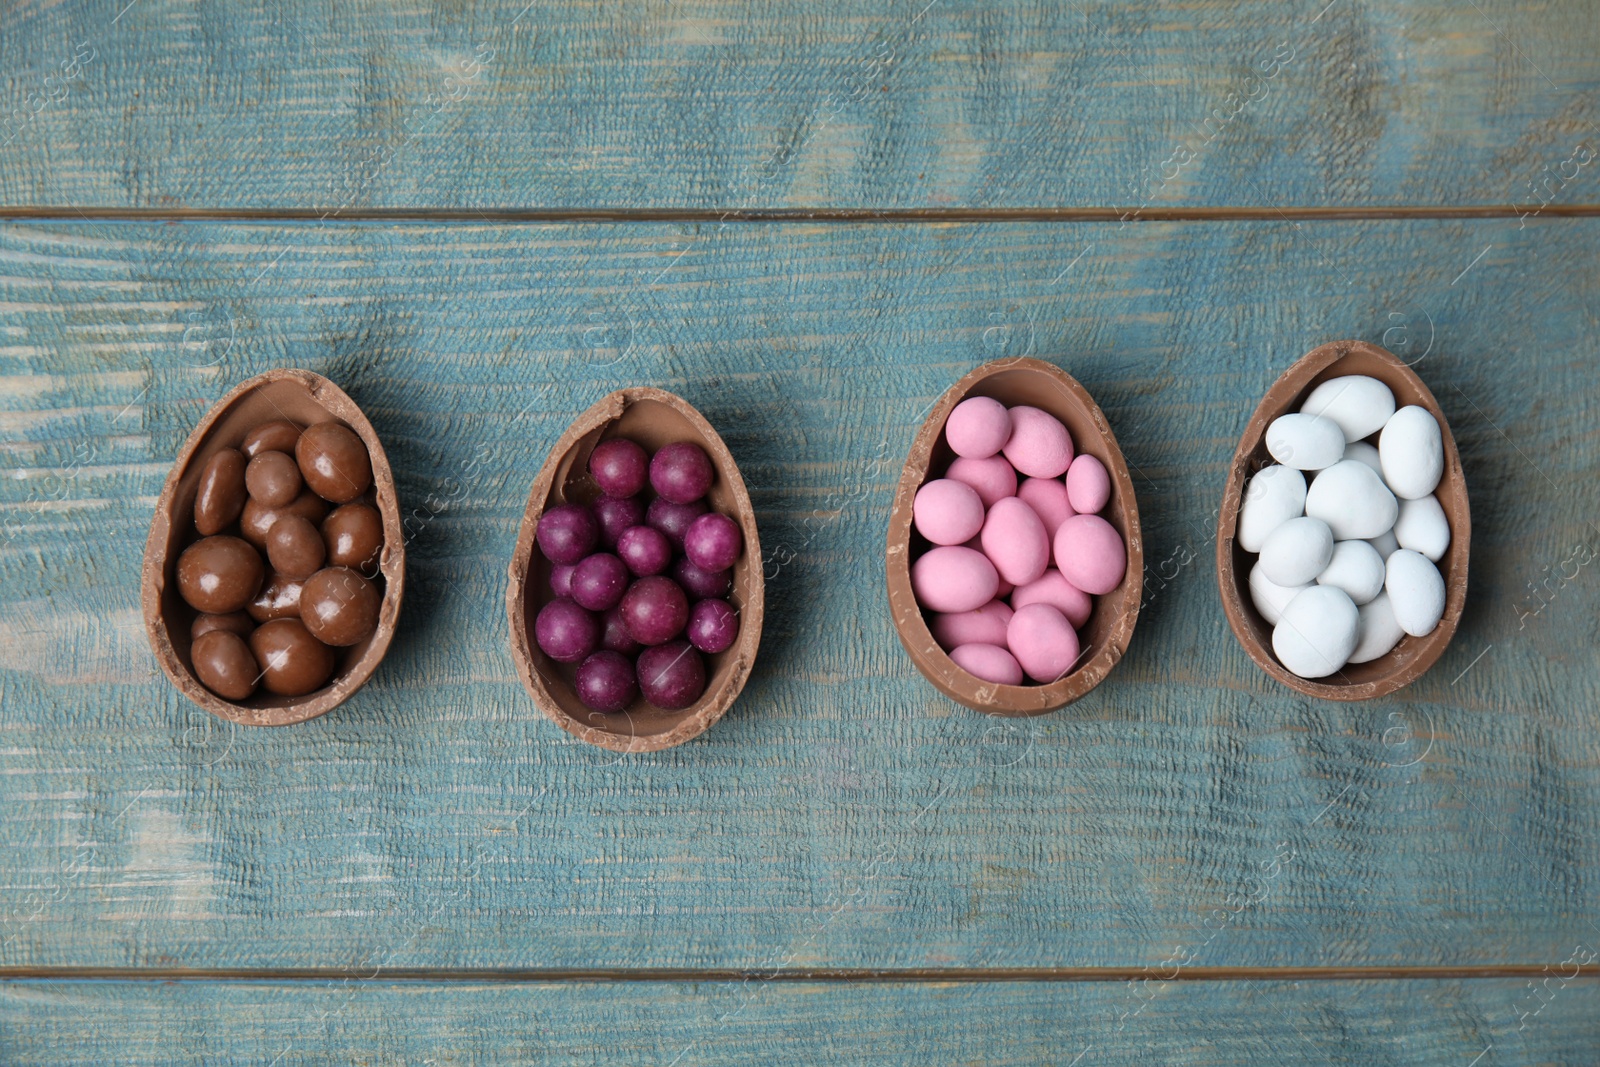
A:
x,y
334,462
234,622
279,599
339,606
353,534
278,435
225,665
219,574
257,520
292,662
220,496
294,546
273,478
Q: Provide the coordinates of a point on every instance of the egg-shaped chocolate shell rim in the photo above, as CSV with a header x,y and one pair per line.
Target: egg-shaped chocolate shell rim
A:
x,y
1105,637
303,397
652,417
1412,657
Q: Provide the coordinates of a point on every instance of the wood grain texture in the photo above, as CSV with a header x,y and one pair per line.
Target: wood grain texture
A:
x,y
693,1024
333,106
843,814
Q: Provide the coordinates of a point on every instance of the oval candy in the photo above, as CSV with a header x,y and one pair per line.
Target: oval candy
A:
x,y
1352,500
1317,632
1358,403
1015,541
1305,442
954,578
1412,452
1273,496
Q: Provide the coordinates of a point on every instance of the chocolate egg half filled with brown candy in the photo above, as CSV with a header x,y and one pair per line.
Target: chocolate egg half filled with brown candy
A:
x,y
270,413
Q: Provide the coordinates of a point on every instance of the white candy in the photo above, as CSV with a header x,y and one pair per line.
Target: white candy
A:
x,y
1274,496
1384,543
1412,452
1352,500
1297,551
1422,527
1317,632
1356,568
1377,630
1305,442
1269,597
1416,592
1358,403
1366,453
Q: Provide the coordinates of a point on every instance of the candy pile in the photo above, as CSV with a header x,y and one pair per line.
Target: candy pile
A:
x,y
1347,527
624,570
278,627
993,540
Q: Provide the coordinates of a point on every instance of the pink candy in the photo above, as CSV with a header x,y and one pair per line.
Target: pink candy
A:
x,y
1090,554
1040,446
978,427
992,663
1088,485
985,626
993,478
1015,541
953,578
1050,588
1043,641
1048,499
947,512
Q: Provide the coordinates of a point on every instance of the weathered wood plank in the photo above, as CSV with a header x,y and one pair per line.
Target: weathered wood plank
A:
x,y
843,814
1234,1023
334,106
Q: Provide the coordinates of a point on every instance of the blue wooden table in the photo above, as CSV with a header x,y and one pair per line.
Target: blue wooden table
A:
x,y
809,219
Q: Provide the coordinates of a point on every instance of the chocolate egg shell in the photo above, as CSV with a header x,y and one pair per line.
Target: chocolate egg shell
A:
x,y
304,398
1106,635
652,418
1406,662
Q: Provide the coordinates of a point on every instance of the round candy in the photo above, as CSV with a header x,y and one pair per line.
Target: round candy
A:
x,y
220,496
713,542
681,472
599,582
1015,541
1048,499
333,462
224,664
279,599
565,632
1051,588
1359,404
1269,597
339,606
235,622
256,521
1416,591
645,549
273,478
614,633
1377,630
954,578
982,626
616,514
978,427
673,519
992,663
1368,454
1422,527
1039,446
1352,500
619,467
294,546
701,583
947,512
1317,632
606,682
292,662
280,435
219,574
567,533
1273,496
713,626
1356,568
992,478
1044,642
1090,554
1088,485
1411,450
655,610
672,676
561,578
1297,551
1305,442
353,537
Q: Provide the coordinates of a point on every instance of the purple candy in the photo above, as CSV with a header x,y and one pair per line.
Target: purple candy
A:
x,y
619,467
713,542
599,581
614,633
681,472
606,682
673,519
672,676
655,610
616,514
645,549
701,583
713,626
561,578
567,533
565,632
